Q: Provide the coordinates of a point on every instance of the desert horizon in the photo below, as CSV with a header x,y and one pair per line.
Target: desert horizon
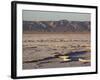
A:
x,y
56,41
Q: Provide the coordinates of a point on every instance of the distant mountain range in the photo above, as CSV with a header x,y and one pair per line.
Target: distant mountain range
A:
x,y
56,26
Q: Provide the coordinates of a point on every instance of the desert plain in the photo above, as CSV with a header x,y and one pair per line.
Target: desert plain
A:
x,y
56,50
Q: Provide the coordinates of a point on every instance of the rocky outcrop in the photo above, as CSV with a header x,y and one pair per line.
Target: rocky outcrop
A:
x,y
56,26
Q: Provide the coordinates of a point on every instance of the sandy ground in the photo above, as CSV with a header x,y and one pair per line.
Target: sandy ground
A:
x,y
43,50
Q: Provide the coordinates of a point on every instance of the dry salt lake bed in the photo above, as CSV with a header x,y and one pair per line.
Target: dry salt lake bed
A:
x,y
56,50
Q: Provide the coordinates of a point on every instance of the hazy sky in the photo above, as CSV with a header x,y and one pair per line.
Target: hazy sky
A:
x,y
31,15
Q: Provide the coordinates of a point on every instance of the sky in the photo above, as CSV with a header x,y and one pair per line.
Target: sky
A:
x,y
31,15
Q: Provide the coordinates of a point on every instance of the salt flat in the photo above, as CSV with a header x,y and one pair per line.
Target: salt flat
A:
x,y
43,50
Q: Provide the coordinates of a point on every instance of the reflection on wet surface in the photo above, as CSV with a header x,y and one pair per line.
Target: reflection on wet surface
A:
x,y
66,51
